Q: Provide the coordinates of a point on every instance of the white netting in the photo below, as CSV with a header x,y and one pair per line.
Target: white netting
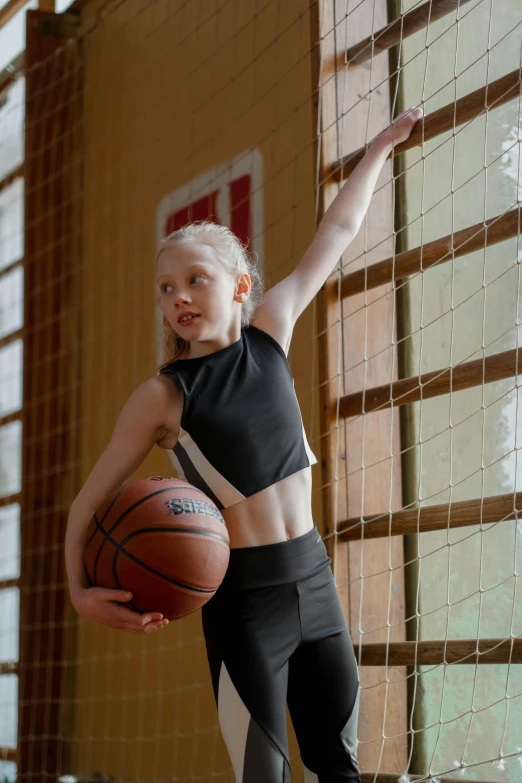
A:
x,y
185,110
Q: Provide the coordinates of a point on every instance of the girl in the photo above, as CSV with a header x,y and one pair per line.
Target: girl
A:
x,y
225,404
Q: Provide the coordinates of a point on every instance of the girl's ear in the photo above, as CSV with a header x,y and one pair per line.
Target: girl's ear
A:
x,y
243,287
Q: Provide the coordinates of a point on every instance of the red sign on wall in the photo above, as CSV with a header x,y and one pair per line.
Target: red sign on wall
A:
x,y
230,195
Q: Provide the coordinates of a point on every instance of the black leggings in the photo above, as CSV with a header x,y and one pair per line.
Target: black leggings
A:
x,y
276,634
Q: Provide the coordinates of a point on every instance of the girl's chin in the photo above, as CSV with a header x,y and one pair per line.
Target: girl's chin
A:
x,y
188,333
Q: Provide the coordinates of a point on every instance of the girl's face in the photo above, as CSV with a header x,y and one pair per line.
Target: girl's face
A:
x,y
198,296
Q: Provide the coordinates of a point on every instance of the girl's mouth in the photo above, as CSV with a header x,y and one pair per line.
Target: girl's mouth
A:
x,y
188,319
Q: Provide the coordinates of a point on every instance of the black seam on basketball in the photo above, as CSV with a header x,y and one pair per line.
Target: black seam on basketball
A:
x,y
141,530
114,501
196,532
118,548
99,524
95,518
127,511
200,590
115,574
129,603
96,559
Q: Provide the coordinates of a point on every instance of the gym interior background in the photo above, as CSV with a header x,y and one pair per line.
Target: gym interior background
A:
x,y
120,120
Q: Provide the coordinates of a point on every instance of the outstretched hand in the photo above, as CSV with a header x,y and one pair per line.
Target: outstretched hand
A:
x,y
401,127
104,606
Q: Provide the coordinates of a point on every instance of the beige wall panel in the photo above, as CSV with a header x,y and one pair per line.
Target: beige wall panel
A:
x,y
171,91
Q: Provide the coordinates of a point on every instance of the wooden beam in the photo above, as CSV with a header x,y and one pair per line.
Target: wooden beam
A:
x,y
65,25
405,25
418,259
341,343
326,301
468,108
52,164
9,754
432,384
499,508
432,653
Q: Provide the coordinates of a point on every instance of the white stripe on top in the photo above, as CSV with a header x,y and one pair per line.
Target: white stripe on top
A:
x,y
222,489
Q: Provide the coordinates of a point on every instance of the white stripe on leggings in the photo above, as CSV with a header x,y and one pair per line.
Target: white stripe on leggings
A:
x,y
309,777
234,721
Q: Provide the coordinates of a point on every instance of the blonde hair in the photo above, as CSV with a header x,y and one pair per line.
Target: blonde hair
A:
x,y
235,258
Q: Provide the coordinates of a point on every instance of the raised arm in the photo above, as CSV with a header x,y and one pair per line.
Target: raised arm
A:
x,y
285,302
149,413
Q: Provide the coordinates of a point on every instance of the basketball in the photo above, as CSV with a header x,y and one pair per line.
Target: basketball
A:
x,y
164,541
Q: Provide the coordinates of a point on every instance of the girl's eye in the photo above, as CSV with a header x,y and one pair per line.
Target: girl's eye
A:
x,y
166,287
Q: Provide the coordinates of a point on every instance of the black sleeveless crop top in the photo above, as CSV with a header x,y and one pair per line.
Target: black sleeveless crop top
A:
x,y
241,426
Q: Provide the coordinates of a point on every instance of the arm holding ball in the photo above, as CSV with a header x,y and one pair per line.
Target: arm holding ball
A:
x,y
141,423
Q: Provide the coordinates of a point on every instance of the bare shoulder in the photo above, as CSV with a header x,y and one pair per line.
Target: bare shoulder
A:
x,y
153,397
154,407
167,396
151,415
160,389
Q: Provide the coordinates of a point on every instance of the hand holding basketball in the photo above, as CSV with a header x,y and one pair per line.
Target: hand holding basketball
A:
x,y
163,541
102,605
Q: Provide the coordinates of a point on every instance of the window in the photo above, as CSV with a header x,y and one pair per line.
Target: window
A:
x,y
12,113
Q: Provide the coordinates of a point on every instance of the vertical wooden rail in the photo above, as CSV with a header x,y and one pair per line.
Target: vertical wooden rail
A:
x,y
349,331
51,151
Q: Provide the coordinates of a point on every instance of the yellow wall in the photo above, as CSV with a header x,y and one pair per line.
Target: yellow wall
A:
x,y
170,91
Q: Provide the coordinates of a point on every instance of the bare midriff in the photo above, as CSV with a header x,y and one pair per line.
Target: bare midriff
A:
x,y
277,513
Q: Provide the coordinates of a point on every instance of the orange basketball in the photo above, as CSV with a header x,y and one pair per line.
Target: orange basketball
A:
x,y
164,541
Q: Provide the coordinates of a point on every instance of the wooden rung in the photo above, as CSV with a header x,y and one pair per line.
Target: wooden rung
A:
x,y
6,82
395,777
442,517
7,500
11,177
9,668
10,73
431,653
10,417
11,267
8,754
431,384
418,259
402,27
5,584
10,338
10,9
445,119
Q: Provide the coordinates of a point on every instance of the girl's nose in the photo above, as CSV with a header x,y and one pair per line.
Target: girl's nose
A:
x,y
181,297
